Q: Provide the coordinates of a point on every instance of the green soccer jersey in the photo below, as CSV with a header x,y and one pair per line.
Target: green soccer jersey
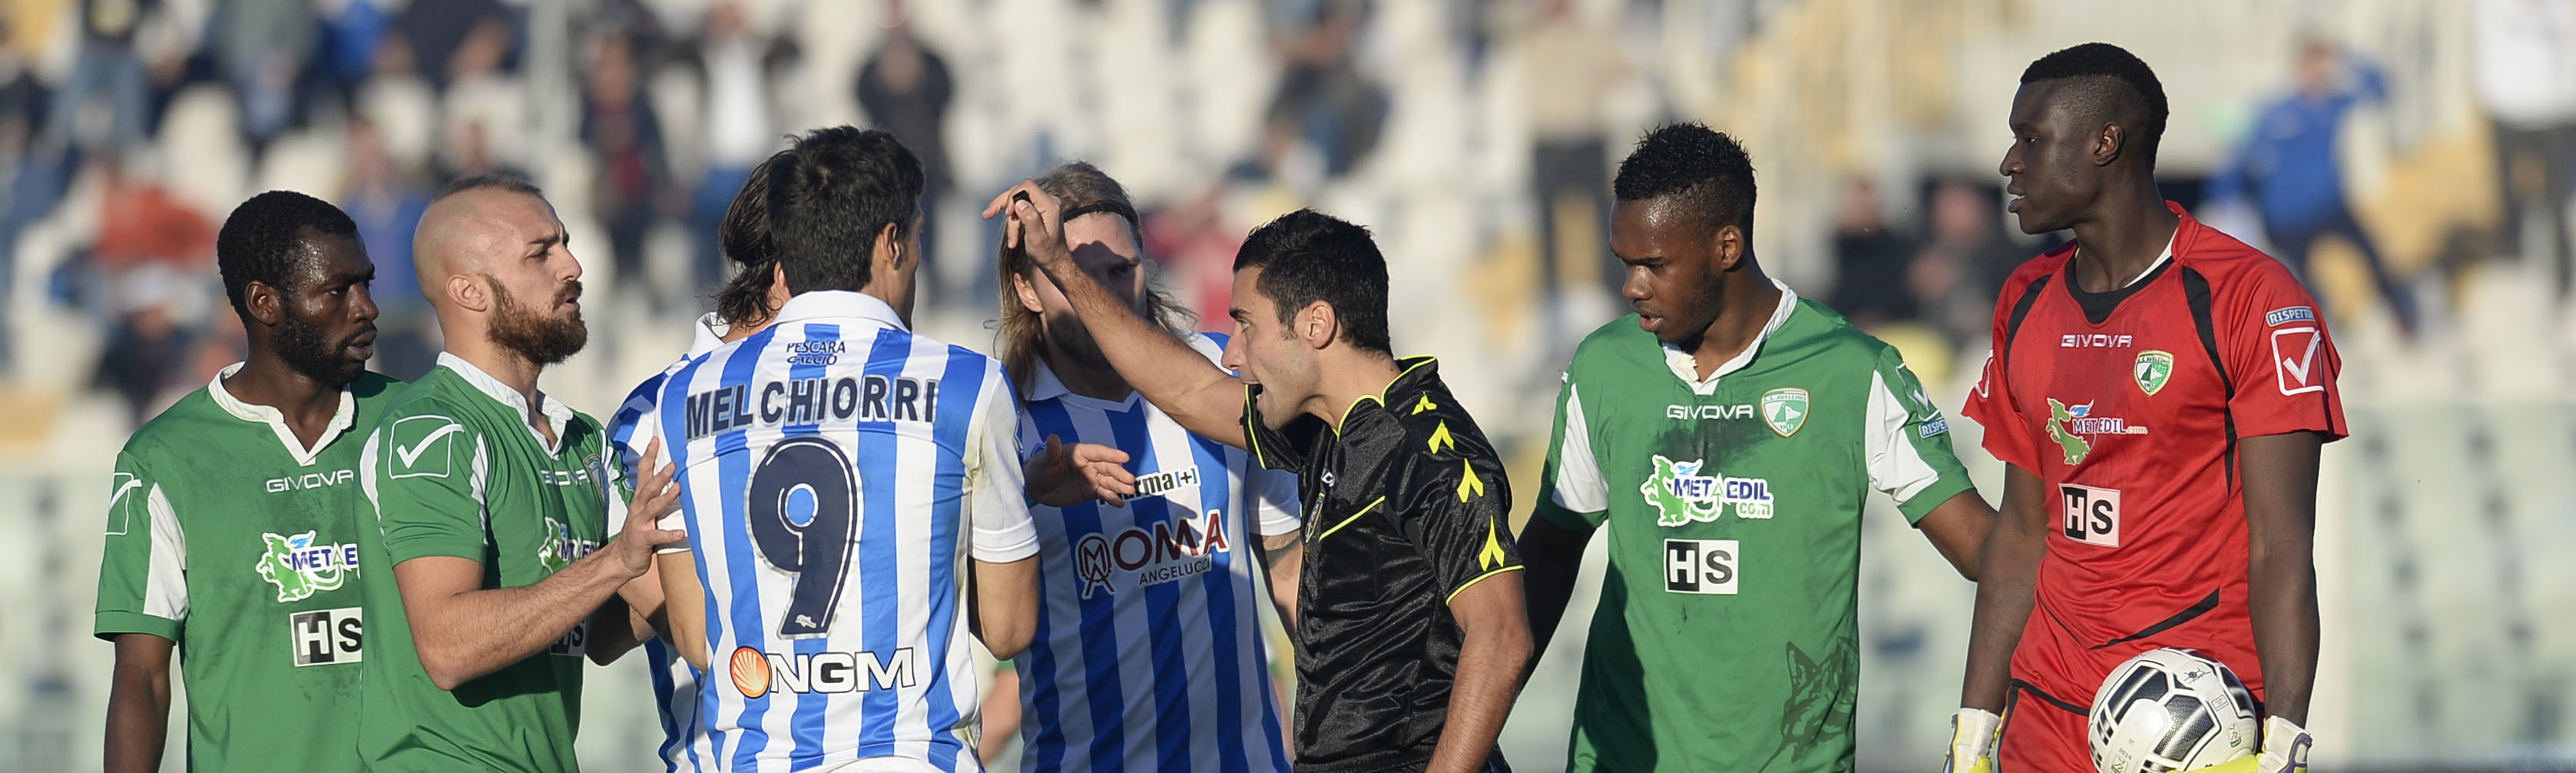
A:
x,y
455,470
226,535
1726,635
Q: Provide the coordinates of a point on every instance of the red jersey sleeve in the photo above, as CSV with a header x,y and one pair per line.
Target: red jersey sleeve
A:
x,y
1990,402
2279,355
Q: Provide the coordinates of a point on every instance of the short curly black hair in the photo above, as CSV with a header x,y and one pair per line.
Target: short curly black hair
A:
x,y
2108,85
267,240
831,196
1307,256
1708,169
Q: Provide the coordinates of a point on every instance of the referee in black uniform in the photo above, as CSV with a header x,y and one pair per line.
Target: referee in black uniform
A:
x,y
1410,632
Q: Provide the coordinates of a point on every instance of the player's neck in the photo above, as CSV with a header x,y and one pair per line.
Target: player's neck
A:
x,y
1344,377
1750,301
308,404
1098,382
507,367
2115,248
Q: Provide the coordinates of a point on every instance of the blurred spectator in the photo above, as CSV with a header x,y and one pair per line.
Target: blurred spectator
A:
x,y
349,45
154,253
735,63
1570,68
904,88
265,48
1322,98
1869,260
434,30
484,124
1954,279
2526,80
386,200
622,128
107,69
2288,170
400,102
1196,247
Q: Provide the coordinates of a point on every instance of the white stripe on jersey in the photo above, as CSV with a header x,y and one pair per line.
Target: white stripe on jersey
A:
x,y
837,470
1149,654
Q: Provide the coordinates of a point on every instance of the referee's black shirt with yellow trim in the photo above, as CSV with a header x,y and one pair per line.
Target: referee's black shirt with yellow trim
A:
x,y
1405,506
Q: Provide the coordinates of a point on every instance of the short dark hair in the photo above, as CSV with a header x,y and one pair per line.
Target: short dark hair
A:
x,y
1709,170
265,240
743,236
829,196
1307,256
507,181
2110,85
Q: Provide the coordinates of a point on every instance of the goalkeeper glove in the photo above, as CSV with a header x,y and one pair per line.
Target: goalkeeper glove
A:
x,y
2285,750
1972,742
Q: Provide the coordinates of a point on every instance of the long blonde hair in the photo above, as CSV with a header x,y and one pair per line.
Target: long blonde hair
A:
x,y
1079,189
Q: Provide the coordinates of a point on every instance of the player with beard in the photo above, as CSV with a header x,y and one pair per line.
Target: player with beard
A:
x,y
1158,665
227,532
494,571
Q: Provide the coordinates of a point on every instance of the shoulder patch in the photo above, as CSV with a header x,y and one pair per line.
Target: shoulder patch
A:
x,y
2288,314
422,446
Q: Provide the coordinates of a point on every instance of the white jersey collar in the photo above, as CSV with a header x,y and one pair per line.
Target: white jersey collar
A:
x,y
558,415
1686,367
708,334
839,304
341,419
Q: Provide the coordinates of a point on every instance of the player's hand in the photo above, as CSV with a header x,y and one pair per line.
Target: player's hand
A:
x,y
1032,222
657,494
2285,750
1972,742
1063,475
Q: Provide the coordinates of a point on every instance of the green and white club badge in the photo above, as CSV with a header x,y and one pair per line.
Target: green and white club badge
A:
x,y
2152,369
1785,409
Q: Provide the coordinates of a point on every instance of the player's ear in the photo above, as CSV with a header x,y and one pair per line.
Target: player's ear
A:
x,y
1726,246
264,303
778,293
888,255
2108,143
1317,325
1027,290
468,294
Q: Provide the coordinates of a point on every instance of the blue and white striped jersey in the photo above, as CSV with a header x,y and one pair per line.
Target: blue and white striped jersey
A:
x,y
838,471
1149,654
675,682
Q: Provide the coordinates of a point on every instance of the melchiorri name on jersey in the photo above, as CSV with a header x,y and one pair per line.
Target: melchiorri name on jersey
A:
x,y
756,673
1165,552
1681,495
810,400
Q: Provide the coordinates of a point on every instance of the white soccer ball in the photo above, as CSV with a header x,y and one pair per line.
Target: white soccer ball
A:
x,y
2169,710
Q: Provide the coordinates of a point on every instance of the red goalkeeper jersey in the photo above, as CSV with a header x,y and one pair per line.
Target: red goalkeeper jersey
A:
x,y
2130,406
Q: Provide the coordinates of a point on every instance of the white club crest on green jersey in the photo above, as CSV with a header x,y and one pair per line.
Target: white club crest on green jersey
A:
x,y
1785,409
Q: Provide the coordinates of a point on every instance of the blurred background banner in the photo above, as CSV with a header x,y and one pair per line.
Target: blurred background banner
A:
x,y
2413,160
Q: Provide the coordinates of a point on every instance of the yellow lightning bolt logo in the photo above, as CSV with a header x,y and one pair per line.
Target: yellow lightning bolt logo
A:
x,y
1425,404
1492,555
1440,438
1469,486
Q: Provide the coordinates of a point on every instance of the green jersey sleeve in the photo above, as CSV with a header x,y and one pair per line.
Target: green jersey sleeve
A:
x,y
425,472
1907,441
1572,494
142,577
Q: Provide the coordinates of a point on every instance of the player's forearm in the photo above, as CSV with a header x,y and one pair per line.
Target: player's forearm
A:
x,y
2284,599
1006,605
684,610
2006,590
468,635
1286,557
612,631
138,717
1554,556
1490,664
1175,378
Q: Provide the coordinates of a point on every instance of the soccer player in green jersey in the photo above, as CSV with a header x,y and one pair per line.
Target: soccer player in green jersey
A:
x,y
1732,432
227,527
494,571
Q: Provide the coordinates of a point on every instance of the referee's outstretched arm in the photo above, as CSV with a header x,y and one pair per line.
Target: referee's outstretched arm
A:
x,y
1202,397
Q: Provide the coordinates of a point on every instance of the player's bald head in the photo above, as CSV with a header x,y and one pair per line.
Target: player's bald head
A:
x,y
2103,84
456,232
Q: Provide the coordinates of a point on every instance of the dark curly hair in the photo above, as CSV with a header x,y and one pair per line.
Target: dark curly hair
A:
x,y
265,240
2108,85
1708,169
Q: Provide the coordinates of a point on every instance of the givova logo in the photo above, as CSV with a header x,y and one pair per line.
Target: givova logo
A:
x,y
756,673
310,480
300,568
1681,495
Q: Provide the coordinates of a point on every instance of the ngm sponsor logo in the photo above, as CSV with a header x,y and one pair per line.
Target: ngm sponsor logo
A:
x,y
756,673
1164,552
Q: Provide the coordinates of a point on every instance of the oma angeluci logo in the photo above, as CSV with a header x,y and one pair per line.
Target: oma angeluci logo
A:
x,y
299,568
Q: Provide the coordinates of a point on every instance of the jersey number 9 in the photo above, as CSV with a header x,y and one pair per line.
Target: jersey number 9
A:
x,y
803,508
